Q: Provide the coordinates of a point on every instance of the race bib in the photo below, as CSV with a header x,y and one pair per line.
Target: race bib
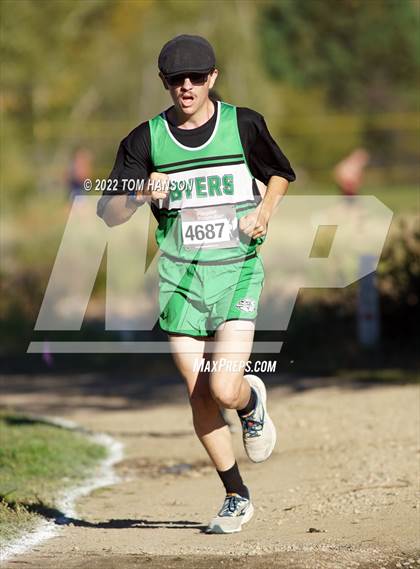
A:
x,y
213,227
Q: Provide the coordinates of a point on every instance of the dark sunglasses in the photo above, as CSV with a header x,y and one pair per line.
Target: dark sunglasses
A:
x,y
195,78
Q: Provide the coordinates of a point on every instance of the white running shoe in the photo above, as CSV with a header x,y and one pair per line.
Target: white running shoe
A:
x,y
235,512
258,430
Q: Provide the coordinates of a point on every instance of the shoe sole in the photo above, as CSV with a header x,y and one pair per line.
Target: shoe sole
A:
x,y
217,529
255,381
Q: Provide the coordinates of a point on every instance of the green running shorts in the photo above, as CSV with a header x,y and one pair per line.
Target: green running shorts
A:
x,y
196,298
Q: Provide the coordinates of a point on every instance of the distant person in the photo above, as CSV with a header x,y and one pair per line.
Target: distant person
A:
x,y
348,174
80,169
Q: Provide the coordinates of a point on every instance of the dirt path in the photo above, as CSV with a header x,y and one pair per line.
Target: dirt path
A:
x,y
346,464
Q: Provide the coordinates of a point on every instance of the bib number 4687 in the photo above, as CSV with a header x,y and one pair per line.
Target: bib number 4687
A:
x,y
207,232
212,227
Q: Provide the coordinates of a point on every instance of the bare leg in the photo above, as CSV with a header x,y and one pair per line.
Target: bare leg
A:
x,y
209,424
230,389
227,383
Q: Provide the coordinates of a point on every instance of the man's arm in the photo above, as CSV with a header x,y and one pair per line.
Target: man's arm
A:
x,y
116,209
276,189
268,164
255,224
133,162
263,155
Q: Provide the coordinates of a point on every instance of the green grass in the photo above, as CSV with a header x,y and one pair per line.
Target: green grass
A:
x,y
37,461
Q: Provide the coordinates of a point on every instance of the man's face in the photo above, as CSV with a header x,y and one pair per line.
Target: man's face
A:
x,y
190,91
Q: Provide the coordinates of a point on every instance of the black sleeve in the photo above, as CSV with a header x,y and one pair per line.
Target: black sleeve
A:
x,y
264,157
133,161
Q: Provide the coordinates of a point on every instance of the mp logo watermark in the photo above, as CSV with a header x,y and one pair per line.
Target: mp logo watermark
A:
x,y
312,241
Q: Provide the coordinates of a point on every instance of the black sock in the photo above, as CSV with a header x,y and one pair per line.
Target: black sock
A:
x,y
250,406
232,481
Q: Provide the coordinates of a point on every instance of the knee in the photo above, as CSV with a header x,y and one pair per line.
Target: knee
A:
x,y
226,396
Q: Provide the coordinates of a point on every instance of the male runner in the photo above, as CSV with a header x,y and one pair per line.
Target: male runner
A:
x,y
208,155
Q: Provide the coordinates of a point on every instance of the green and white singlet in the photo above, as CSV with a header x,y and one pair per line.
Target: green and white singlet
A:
x,y
209,270
211,188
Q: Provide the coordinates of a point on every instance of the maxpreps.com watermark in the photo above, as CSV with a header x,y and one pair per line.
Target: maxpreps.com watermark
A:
x,y
224,364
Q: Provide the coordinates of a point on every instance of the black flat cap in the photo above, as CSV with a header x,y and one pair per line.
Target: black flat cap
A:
x,y
185,54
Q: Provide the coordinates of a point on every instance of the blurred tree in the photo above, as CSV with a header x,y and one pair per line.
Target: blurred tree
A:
x,y
364,53
84,72
61,65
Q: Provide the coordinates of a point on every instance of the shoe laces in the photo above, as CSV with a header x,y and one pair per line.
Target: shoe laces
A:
x,y
251,427
230,504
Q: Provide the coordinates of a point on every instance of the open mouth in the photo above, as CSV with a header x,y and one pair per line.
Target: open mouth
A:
x,y
187,99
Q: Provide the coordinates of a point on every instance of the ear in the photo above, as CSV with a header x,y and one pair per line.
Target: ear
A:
x,y
213,78
164,81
